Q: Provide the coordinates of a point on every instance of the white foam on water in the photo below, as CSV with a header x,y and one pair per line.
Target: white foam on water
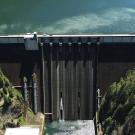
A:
x,y
79,127
116,20
91,21
3,27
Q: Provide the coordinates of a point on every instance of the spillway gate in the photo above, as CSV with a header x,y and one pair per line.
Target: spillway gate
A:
x,y
69,76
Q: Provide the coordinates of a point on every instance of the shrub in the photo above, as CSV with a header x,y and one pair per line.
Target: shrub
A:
x,y
21,120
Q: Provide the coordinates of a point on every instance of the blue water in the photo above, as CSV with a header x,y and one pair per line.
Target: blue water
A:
x,y
67,16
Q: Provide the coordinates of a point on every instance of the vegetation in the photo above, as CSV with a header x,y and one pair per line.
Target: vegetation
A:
x,y
21,120
117,109
13,109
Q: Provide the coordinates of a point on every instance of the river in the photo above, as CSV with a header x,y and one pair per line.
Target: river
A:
x,y
67,16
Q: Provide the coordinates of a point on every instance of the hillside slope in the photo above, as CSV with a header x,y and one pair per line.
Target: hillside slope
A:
x,y
117,110
12,106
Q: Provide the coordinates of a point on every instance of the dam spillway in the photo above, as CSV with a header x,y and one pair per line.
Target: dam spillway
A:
x,y
69,69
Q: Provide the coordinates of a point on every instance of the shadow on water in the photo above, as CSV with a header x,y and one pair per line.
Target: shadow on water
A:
x,y
79,127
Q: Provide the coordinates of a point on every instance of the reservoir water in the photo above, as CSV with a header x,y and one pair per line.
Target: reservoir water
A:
x,y
67,16
70,128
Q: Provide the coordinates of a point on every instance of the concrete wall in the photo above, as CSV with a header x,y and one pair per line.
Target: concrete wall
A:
x,y
113,62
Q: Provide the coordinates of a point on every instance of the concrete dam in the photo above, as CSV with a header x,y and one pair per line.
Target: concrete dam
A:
x,y
69,69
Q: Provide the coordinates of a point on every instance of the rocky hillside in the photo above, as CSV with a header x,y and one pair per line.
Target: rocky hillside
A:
x,y
12,106
117,110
